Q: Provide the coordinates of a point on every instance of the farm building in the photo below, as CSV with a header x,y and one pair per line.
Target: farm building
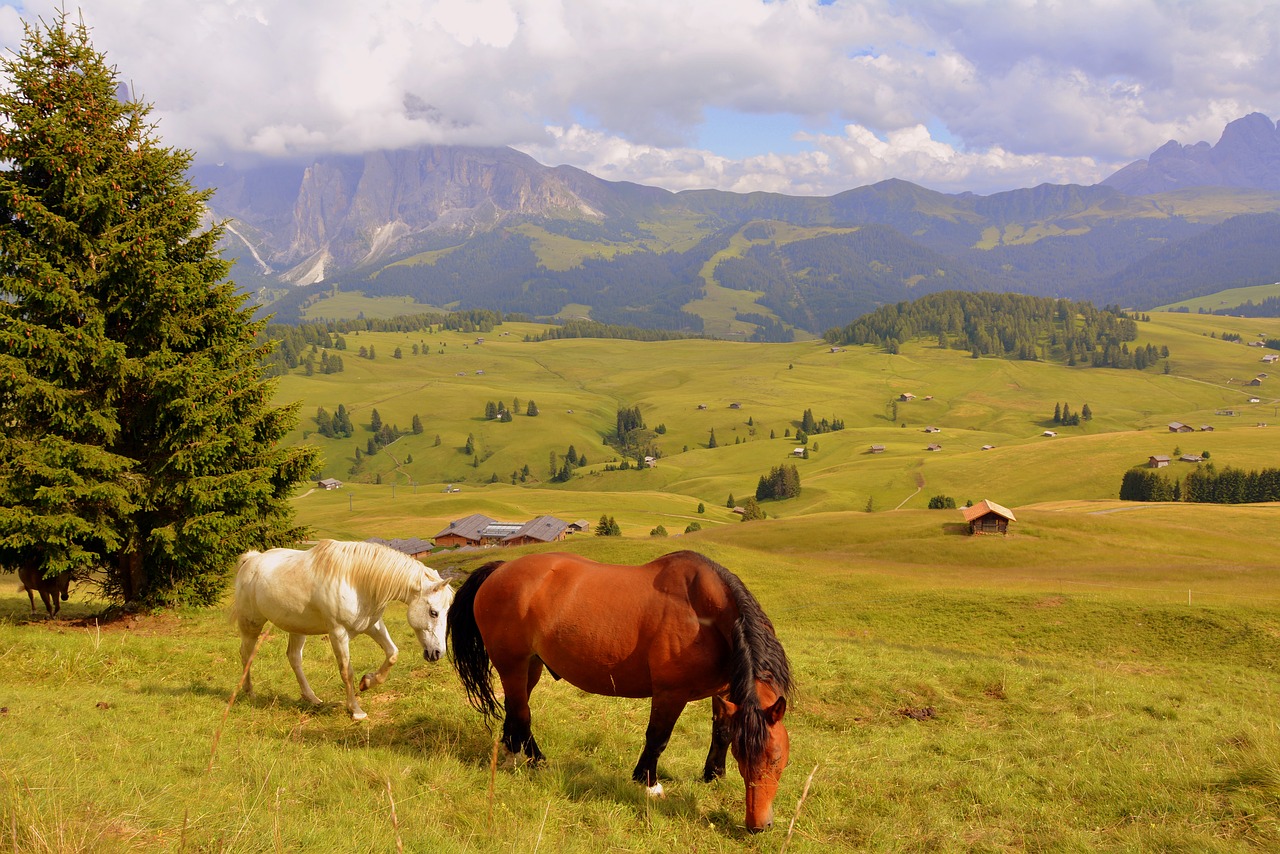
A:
x,y
933,446
1179,427
877,449
1157,461
1191,458
414,547
906,395
987,517
479,530
1049,433
329,483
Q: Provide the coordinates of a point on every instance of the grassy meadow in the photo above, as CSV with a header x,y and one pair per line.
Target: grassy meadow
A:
x,y
579,385
1104,678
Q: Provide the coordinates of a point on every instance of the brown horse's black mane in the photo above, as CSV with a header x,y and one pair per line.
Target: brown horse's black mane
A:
x,y
757,654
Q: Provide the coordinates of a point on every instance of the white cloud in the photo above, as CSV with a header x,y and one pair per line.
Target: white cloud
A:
x,y
1014,92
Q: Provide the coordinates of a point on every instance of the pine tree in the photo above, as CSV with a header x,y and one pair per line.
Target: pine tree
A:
x,y
416,425
140,435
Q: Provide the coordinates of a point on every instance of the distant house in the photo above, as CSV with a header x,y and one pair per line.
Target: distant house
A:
x,y
414,547
837,349
579,526
1206,428
329,483
1049,433
480,530
1255,400
877,449
933,446
987,517
735,406
702,406
1157,461
1179,427
798,452
1191,458
906,395
650,461
932,429
1254,382
988,447
1270,357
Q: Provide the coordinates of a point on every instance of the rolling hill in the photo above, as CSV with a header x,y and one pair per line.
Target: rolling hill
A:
x,y
579,385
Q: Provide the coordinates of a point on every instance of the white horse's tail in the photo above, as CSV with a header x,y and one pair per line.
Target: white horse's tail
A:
x,y
246,569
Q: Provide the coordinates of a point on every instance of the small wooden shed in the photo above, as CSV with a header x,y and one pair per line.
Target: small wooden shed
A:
x,y
987,517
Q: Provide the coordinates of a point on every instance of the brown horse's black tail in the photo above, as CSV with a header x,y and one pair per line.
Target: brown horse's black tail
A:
x,y
470,658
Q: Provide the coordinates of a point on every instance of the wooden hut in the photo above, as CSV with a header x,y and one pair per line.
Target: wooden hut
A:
x,y
987,517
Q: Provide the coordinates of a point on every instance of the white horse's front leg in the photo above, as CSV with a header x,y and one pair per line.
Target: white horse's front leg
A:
x,y
296,642
338,639
378,631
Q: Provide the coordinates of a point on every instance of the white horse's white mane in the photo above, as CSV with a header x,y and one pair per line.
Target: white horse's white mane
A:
x,y
380,570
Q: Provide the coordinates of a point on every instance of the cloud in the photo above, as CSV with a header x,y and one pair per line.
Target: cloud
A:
x,y
1011,93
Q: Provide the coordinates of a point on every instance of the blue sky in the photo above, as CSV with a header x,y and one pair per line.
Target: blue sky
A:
x,y
793,96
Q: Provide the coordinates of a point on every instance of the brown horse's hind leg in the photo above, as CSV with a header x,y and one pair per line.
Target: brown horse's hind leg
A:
x,y
720,736
663,715
517,684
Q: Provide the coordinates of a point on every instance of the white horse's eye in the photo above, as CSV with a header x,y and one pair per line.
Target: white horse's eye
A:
x,y
434,613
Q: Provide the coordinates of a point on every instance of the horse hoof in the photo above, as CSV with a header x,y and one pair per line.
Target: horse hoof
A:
x,y
366,682
655,791
358,716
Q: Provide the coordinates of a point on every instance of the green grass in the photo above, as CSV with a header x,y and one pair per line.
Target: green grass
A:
x,y
1102,679
1078,701
1229,298
579,385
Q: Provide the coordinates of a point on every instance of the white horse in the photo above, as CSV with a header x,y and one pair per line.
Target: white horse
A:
x,y
339,589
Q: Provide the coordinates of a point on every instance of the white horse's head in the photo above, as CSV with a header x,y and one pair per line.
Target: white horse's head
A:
x,y
428,611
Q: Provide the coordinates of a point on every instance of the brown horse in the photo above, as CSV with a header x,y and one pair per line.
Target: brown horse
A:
x,y
678,629
51,589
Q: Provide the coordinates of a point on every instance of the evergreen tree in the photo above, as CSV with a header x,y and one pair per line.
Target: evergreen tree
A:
x,y
1086,413
532,410
416,425
751,511
375,422
139,434
711,443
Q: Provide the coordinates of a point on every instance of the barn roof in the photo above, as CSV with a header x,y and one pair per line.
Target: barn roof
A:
x,y
405,545
984,507
468,527
543,528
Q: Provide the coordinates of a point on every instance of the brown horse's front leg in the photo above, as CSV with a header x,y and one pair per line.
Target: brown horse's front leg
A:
x,y
720,736
663,714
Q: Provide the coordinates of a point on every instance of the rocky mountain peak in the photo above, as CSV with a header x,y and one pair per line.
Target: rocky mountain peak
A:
x,y
1247,155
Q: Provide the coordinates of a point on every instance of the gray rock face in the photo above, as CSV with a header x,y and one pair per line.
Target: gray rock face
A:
x,y
1246,156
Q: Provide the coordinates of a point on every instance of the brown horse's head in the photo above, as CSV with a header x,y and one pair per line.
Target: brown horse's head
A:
x,y
762,749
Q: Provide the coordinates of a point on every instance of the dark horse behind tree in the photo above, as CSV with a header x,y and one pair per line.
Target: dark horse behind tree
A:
x,y
678,629
51,589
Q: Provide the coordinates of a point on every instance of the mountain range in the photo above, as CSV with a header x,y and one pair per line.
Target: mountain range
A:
x,y
459,227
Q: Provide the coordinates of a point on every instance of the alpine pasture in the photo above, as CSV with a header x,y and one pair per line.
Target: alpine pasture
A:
x,y
1104,678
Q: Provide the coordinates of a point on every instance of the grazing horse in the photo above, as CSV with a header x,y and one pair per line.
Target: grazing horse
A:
x,y
677,629
339,589
51,588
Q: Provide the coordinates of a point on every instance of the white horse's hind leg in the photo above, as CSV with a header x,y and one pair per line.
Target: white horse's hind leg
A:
x,y
339,639
248,642
378,631
296,643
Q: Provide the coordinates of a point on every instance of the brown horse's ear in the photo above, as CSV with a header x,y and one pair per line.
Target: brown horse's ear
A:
x,y
776,711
